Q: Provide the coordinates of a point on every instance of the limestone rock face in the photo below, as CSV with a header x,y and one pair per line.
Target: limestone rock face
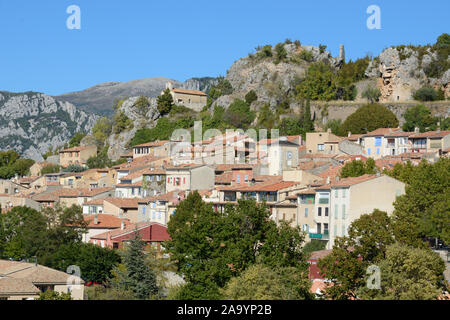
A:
x,y
400,72
271,81
118,143
32,122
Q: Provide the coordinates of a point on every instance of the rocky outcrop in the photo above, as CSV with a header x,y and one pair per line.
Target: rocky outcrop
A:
x,y
118,143
32,122
400,72
269,80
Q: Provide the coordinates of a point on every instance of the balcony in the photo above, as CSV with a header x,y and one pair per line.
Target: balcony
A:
x,y
322,236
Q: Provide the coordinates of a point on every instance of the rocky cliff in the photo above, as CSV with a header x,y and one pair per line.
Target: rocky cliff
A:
x,y
400,71
32,122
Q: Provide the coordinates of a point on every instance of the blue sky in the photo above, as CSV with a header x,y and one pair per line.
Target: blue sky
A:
x,y
133,39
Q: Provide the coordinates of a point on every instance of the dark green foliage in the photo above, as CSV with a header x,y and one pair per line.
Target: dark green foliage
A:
x,y
291,127
368,118
11,164
427,94
265,52
25,232
121,122
223,87
371,94
322,48
334,125
75,168
136,276
423,210
314,245
239,114
162,131
165,102
210,249
308,123
53,295
76,139
94,261
142,105
318,84
50,168
250,97
357,168
445,124
419,116
280,53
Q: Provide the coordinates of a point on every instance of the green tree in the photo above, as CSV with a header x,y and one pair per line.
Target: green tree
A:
x,y
75,168
371,94
50,168
423,209
53,295
368,118
239,114
7,172
164,102
408,274
334,125
419,116
94,261
308,123
142,105
260,282
250,97
290,127
210,249
280,53
357,168
135,275
319,83
366,244
22,166
313,245
76,139
426,94
101,130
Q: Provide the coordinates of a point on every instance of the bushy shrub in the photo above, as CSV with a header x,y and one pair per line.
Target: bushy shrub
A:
x,y
427,94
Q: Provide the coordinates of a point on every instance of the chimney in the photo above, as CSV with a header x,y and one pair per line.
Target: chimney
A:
x,y
122,225
329,130
328,180
349,134
96,219
416,130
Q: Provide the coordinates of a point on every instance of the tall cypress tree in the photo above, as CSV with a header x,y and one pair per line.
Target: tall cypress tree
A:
x,y
308,124
137,276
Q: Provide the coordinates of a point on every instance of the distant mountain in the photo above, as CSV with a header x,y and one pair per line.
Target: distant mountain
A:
x,y
32,122
100,98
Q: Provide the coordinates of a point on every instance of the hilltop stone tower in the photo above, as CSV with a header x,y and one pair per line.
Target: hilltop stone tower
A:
x,y
342,53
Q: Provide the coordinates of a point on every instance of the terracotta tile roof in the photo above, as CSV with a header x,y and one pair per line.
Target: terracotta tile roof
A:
x,y
317,155
233,166
224,178
130,228
353,137
105,221
308,165
77,149
350,181
98,202
123,202
431,134
331,172
27,180
152,144
381,132
37,274
399,134
158,171
187,166
70,192
307,191
129,185
192,92
269,186
10,286
316,255
387,163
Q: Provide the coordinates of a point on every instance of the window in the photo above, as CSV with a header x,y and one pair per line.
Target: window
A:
x,y
306,212
320,147
378,150
335,230
368,151
343,211
377,141
336,194
343,193
343,230
246,177
336,213
326,212
159,215
238,178
319,212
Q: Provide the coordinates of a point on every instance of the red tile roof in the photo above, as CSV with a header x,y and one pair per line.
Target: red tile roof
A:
x,y
192,92
381,132
431,134
105,221
77,149
123,202
130,228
